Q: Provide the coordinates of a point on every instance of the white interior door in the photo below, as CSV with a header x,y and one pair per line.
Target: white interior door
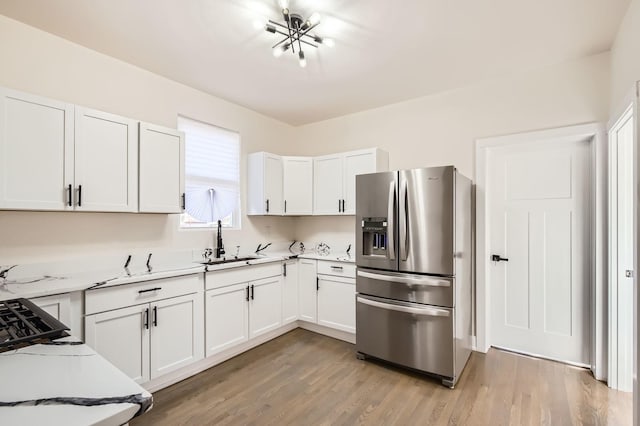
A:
x,y
539,208
621,253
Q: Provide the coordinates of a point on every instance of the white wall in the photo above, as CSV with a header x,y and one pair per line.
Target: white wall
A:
x,y
43,64
625,57
441,129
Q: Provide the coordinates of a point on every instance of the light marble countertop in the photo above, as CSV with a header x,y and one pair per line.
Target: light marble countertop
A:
x,y
66,383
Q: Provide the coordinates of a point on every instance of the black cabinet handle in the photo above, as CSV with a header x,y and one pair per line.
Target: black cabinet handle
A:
x,y
497,258
69,195
285,270
339,206
146,318
267,206
317,283
337,267
155,316
285,206
184,201
247,293
149,290
252,298
79,195
342,206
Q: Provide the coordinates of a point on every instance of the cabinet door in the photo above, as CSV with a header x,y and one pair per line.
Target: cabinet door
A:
x,y
298,185
290,291
227,317
161,174
177,334
356,163
337,303
273,184
106,162
58,306
122,337
327,184
307,290
265,306
36,152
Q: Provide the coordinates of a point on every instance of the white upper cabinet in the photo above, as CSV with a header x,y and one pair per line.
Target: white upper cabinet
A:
x,y
327,184
161,188
335,179
298,185
36,152
106,162
265,184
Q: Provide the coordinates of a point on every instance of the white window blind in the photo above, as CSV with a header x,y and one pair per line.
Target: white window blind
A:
x,y
212,174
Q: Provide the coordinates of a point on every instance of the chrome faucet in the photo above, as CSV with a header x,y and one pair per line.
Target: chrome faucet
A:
x,y
219,245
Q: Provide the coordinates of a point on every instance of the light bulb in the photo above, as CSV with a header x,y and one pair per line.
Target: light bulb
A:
x,y
259,23
278,51
301,59
314,18
284,4
328,42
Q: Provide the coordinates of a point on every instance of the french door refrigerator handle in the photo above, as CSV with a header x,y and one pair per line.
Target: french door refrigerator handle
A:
x,y
411,280
426,311
391,212
404,213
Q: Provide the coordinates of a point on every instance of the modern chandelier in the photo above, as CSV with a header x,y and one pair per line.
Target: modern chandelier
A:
x,y
297,32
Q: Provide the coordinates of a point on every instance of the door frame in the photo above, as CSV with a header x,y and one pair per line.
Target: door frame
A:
x,y
628,111
597,134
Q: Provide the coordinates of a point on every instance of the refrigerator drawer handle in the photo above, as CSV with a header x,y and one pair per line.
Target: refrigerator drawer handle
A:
x,y
432,312
406,280
391,211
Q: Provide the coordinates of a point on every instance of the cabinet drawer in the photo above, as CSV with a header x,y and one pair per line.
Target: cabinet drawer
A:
x,y
339,269
106,299
242,274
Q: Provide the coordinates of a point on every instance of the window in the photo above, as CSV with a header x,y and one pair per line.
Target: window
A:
x,y
212,175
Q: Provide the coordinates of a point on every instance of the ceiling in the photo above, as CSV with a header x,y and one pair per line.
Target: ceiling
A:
x,y
385,51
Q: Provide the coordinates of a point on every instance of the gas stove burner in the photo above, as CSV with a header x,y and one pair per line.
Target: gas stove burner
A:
x,y
22,323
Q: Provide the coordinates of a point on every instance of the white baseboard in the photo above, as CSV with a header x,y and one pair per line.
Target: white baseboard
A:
x,y
336,334
202,365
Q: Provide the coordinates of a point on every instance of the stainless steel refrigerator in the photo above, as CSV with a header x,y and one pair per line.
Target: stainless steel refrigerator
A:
x,y
413,283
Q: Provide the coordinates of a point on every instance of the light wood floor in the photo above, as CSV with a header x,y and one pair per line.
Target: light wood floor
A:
x,y
303,378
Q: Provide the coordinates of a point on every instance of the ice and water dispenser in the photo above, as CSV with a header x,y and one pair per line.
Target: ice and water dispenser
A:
x,y
374,236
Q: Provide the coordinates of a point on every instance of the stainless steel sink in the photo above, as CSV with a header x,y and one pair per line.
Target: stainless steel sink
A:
x,y
231,260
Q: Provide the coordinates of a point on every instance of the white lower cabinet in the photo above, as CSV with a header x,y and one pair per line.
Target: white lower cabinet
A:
x,y
58,306
307,287
337,303
176,333
239,311
149,340
290,291
122,337
227,317
265,306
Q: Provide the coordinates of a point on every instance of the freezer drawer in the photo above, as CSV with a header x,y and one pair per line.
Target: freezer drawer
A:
x,y
408,334
424,289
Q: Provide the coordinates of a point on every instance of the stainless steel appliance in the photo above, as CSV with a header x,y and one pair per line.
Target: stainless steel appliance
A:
x,y
413,252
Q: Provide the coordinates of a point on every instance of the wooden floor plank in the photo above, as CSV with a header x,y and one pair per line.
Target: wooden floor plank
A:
x,y
303,378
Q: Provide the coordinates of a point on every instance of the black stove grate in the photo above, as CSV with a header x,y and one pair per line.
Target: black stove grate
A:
x,y
23,323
